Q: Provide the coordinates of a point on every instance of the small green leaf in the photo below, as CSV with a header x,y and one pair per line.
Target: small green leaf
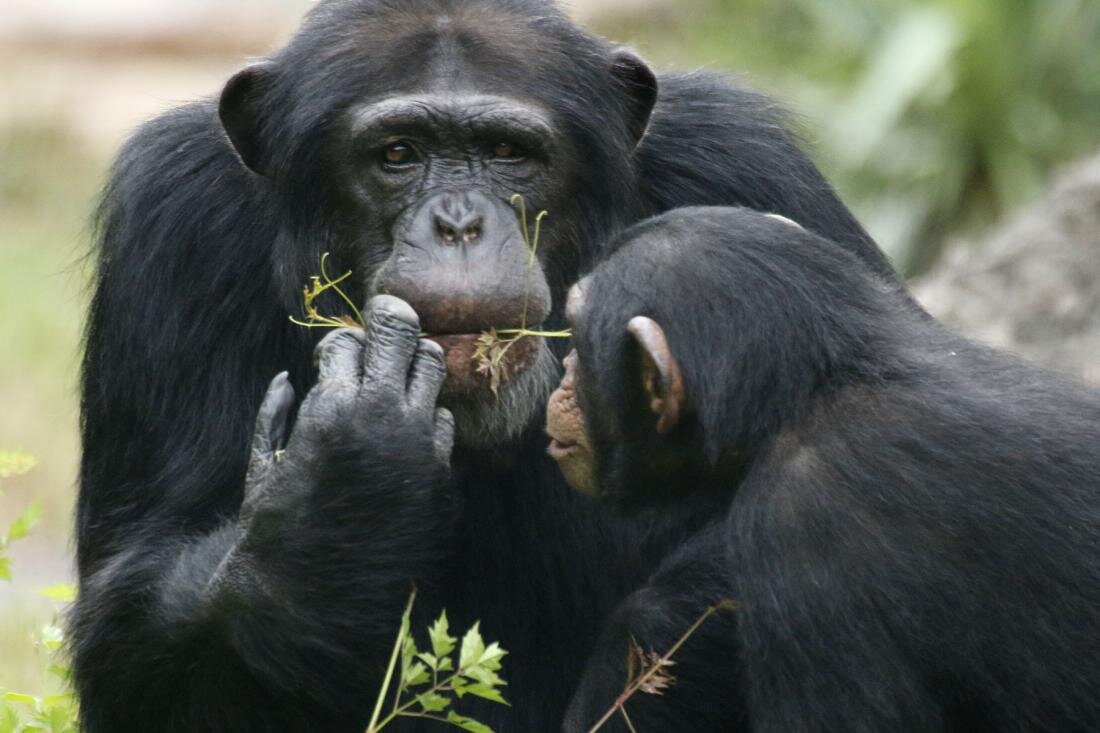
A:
x,y
442,642
52,637
63,592
58,718
467,723
5,568
408,648
481,674
22,526
490,658
15,463
408,656
22,699
472,647
432,702
9,721
60,671
415,674
486,691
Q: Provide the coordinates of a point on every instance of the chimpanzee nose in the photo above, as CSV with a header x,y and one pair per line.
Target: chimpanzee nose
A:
x,y
458,219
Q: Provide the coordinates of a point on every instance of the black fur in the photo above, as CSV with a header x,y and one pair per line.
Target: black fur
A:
x,y
200,261
914,534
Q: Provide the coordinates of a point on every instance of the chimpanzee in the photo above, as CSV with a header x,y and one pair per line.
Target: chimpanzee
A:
x,y
913,537
390,134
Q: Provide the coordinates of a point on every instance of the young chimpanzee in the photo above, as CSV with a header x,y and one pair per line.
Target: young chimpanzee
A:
x,y
913,537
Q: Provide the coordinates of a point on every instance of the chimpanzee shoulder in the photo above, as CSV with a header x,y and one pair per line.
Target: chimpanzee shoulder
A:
x,y
714,142
183,238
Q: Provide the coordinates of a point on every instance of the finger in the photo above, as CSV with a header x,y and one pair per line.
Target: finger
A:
x,y
339,355
271,424
393,330
427,374
444,436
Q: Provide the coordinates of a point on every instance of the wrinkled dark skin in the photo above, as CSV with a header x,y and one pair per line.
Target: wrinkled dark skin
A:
x,y
459,255
434,173
376,390
385,370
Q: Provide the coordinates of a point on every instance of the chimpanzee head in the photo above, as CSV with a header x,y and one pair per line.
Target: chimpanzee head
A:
x,y
704,333
395,133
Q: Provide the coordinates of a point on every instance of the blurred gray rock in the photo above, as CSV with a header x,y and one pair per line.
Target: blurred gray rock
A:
x,y
1034,288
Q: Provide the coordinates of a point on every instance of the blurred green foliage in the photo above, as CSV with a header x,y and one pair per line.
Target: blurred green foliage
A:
x,y
934,117
48,181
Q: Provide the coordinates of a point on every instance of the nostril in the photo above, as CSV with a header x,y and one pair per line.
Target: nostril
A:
x,y
445,231
472,233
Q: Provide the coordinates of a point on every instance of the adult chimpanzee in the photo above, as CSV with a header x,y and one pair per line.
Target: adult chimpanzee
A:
x,y
914,526
389,133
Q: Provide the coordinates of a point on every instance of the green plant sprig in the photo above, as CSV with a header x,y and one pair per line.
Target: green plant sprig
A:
x,y
317,286
491,348
438,675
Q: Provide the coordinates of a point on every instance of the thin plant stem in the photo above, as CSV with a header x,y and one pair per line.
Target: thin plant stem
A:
x,y
402,711
335,285
532,242
657,666
398,643
628,721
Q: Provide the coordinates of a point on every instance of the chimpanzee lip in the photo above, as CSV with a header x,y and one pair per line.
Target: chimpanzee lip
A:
x,y
559,449
465,372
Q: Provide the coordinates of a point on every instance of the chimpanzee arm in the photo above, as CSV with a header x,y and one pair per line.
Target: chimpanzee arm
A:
x,y
705,694
197,612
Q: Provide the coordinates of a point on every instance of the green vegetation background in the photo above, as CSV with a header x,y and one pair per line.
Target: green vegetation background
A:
x,y
934,117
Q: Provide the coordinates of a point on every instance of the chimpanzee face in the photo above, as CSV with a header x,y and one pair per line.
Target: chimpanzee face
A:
x,y
617,407
437,129
433,178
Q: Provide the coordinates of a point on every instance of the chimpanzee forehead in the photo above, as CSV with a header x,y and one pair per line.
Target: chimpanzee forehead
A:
x,y
471,109
473,45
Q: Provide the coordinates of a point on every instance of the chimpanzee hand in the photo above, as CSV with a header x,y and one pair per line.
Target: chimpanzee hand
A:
x,y
368,426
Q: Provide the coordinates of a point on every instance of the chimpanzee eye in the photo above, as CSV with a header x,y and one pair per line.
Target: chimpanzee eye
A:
x,y
506,151
400,153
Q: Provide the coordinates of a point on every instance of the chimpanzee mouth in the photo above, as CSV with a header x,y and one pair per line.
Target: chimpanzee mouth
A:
x,y
485,362
560,450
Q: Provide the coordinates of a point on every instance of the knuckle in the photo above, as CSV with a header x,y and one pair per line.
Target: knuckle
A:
x,y
390,309
444,426
434,366
431,351
342,339
389,319
387,338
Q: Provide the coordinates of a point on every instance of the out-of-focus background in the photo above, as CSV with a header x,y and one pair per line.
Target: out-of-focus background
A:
x,y
965,134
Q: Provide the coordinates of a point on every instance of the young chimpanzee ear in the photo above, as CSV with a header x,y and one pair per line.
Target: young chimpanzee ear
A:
x,y
240,111
661,378
640,86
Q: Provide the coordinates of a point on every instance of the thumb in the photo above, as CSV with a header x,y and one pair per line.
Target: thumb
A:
x,y
271,426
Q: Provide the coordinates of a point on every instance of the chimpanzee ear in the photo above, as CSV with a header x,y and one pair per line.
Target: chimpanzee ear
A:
x,y
640,86
240,109
661,378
